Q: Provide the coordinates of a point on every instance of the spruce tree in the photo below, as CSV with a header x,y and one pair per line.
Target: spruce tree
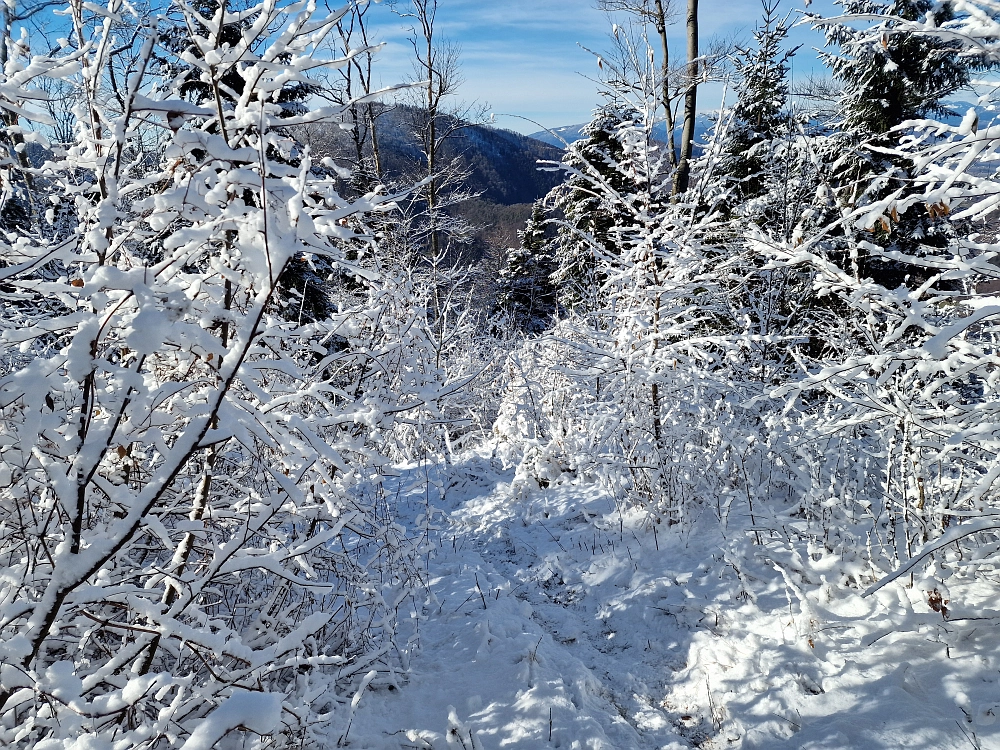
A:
x,y
760,115
887,79
589,227
767,184
900,77
525,293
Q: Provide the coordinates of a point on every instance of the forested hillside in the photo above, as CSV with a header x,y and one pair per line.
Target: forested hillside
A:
x,y
302,446
499,169
501,166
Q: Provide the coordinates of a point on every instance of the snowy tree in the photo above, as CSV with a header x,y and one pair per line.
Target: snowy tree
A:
x,y
907,394
436,118
760,115
630,386
759,169
586,235
657,13
184,556
524,288
888,79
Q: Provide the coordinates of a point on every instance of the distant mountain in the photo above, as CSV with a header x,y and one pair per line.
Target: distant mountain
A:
x,y
571,133
503,165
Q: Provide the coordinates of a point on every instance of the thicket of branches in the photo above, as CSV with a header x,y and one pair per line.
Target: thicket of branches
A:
x,y
802,344
207,359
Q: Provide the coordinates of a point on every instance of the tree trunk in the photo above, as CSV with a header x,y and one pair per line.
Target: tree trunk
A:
x,y
373,132
432,101
683,174
660,20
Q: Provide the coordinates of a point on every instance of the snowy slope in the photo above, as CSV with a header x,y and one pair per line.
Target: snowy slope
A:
x,y
557,618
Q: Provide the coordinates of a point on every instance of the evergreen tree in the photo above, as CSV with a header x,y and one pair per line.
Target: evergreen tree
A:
x,y
304,293
899,78
591,221
525,292
201,82
763,183
889,78
760,115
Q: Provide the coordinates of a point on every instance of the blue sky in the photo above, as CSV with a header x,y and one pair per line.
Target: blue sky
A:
x,y
523,57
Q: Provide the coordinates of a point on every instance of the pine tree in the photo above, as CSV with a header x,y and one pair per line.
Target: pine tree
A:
x,y
591,220
525,292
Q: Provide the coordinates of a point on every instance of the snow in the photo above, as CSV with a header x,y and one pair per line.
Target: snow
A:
x,y
685,525
555,605
258,712
169,106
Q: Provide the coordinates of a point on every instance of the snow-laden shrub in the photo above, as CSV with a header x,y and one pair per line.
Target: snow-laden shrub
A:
x,y
185,546
424,349
893,427
644,388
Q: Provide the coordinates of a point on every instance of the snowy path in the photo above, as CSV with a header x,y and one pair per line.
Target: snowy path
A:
x,y
511,642
557,622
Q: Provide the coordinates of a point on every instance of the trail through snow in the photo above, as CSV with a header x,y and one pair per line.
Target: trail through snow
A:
x,y
558,618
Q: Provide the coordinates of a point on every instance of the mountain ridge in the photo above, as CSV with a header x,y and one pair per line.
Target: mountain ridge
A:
x,y
571,133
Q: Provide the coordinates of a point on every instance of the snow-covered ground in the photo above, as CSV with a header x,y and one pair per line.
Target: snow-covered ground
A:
x,y
556,618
